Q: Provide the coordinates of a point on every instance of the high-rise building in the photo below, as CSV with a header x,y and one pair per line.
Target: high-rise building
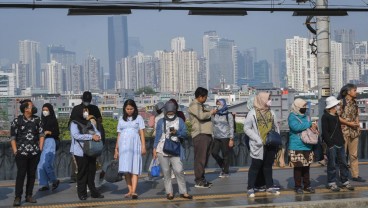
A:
x,y
21,72
361,60
188,71
178,44
209,41
7,84
92,74
117,44
336,67
278,72
29,53
202,72
134,46
52,77
347,39
301,65
75,72
262,71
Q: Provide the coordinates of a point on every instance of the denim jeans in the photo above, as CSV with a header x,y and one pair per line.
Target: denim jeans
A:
x,y
336,156
45,167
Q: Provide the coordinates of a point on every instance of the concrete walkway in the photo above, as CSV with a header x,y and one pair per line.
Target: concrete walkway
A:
x,y
225,192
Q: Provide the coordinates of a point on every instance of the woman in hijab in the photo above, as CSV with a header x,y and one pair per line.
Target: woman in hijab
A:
x,y
257,124
180,114
171,127
45,169
223,133
300,153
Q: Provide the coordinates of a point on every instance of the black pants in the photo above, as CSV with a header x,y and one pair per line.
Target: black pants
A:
x,y
223,146
202,147
26,165
269,154
86,175
299,174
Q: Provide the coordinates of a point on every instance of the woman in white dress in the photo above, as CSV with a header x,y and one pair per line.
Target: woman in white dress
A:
x,y
130,146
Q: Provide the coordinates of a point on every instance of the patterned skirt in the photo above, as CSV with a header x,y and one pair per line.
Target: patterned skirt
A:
x,y
300,158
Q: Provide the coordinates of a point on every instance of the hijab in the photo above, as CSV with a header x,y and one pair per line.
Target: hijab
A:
x,y
50,122
170,107
224,108
260,102
297,105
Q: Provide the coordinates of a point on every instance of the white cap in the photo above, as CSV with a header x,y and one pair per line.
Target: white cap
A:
x,y
331,102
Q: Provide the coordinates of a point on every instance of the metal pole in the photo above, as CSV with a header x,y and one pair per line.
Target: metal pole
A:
x,y
323,56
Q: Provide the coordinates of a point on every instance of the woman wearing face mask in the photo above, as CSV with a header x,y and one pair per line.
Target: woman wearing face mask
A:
x,y
223,132
259,121
175,130
45,167
300,154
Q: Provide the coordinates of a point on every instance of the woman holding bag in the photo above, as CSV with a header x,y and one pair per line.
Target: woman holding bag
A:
x,y
171,127
300,154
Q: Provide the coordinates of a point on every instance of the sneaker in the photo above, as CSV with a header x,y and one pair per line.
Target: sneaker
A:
x,y
358,179
224,175
203,184
299,191
272,191
16,202
260,189
310,190
251,193
348,186
334,188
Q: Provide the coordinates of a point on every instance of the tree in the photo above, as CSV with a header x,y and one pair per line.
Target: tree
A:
x,y
146,90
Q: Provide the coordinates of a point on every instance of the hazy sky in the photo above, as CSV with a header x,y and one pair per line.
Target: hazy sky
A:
x,y
88,34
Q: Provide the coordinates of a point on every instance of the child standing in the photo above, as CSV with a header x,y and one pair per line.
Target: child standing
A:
x,y
332,135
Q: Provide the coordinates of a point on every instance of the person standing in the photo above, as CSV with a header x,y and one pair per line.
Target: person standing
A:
x,y
258,123
45,167
300,153
200,117
180,114
171,127
223,133
26,138
334,139
349,119
130,146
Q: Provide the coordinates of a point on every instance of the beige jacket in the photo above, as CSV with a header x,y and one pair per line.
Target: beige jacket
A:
x,y
200,118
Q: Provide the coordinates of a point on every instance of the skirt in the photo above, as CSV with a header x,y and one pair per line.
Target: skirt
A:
x,y
300,158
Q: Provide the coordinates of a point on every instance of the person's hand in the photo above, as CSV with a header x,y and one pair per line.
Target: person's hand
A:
x,y
231,143
47,132
314,127
96,138
354,125
173,132
154,154
143,150
15,152
213,111
116,154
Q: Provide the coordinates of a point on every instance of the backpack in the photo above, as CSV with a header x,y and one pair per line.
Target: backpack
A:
x,y
227,119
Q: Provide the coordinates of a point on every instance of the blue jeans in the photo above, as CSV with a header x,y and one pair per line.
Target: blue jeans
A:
x,y
45,167
336,156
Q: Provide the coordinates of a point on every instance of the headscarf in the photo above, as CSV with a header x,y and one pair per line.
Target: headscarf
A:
x,y
250,103
50,122
297,105
170,107
223,110
260,102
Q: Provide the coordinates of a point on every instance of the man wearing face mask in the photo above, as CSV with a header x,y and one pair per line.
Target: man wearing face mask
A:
x,y
27,138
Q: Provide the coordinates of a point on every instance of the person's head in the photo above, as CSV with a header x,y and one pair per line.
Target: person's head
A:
x,y
262,101
349,90
158,107
130,109
299,106
170,111
332,104
47,111
86,98
221,105
201,94
175,102
27,107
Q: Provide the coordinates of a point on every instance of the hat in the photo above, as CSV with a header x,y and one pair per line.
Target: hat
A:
x,y
159,106
87,96
331,102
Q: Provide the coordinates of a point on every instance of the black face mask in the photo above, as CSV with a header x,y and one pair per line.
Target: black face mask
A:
x,y
34,110
303,110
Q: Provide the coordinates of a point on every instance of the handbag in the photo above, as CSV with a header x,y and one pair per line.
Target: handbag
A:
x,y
112,172
170,147
92,148
273,138
155,169
308,136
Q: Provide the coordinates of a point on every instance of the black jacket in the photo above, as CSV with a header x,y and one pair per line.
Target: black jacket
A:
x,y
331,130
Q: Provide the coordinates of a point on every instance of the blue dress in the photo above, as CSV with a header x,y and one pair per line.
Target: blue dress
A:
x,y
130,157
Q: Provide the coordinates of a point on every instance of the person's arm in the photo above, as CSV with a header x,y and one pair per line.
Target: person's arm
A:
x,y
348,123
182,131
77,135
249,129
141,135
40,134
116,154
297,126
199,113
326,132
231,125
13,136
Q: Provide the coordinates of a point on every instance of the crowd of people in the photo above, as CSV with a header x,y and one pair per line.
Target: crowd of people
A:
x,y
34,141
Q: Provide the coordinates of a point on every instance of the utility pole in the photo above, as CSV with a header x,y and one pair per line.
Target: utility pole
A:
x,y
323,56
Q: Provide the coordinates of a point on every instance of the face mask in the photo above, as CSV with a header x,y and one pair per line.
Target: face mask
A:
x,y
337,107
170,116
86,103
34,110
85,115
269,103
45,113
303,110
219,106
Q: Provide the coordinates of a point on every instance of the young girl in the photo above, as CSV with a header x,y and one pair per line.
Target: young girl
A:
x,y
130,146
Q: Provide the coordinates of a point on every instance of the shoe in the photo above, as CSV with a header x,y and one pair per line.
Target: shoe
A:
x,y
134,196
334,188
83,198
187,196
55,185
260,189
100,196
30,199
276,187
203,185
358,179
251,193
44,188
323,162
16,202
169,196
348,186
221,175
310,190
299,191
224,175
272,191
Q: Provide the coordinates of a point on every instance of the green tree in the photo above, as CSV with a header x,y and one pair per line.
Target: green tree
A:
x,y
146,90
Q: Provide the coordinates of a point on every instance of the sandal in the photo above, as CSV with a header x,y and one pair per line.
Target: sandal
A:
x,y
128,195
170,196
134,196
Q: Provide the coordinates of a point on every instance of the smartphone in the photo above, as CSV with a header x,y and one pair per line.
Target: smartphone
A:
x,y
172,129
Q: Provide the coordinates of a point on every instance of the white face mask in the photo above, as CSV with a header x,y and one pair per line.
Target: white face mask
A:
x,y
219,106
170,116
45,113
85,115
269,103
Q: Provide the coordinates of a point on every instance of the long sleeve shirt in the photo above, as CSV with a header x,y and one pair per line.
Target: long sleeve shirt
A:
x,y
78,139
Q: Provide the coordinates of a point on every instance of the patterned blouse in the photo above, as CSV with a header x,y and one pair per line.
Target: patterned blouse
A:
x,y
264,123
350,113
